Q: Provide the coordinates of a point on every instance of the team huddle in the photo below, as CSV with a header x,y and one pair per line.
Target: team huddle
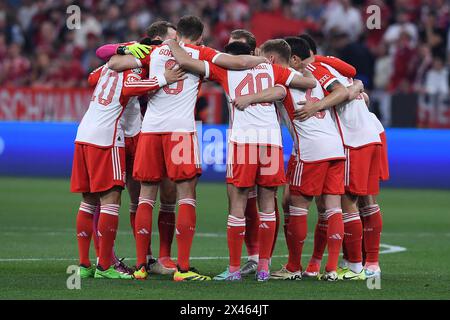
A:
x,y
338,158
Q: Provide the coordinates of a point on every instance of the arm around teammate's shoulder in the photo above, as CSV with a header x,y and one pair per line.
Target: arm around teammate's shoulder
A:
x,y
303,82
121,63
355,89
269,95
135,85
239,62
184,60
338,94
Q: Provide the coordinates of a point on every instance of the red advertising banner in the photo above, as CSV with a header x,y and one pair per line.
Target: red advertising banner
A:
x,y
39,104
43,104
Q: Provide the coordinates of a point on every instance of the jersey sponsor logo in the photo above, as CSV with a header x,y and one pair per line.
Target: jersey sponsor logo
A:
x,y
170,63
320,114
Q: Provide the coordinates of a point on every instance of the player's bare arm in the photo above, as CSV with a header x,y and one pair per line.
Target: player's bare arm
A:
x,y
184,60
240,62
305,82
121,63
355,89
366,98
224,60
174,74
136,49
136,86
276,93
338,94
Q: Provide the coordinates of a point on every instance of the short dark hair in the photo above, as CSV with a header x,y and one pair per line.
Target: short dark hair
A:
x,y
159,29
312,44
244,34
190,27
147,41
279,46
236,48
299,47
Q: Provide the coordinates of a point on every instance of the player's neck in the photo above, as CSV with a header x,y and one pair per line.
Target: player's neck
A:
x,y
186,41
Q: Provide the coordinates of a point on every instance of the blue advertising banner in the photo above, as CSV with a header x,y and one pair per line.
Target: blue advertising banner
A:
x,y
418,158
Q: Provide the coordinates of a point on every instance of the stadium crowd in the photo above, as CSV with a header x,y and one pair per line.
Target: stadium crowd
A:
x,y
410,53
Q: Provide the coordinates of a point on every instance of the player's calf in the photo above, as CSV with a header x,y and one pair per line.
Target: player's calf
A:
x,y
267,225
372,226
166,219
352,232
107,230
84,226
235,231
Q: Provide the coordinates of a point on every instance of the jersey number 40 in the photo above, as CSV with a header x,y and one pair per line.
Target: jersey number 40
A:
x,y
249,81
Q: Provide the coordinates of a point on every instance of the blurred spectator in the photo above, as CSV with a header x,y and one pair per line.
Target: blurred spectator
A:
x,y
382,75
357,54
89,24
15,68
341,17
433,35
403,68
3,47
423,62
436,79
401,27
41,70
410,53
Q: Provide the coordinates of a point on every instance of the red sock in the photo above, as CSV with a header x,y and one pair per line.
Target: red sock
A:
x,y
133,209
166,228
143,229
107,230
297,230
267,225
251,225
320,237
344,249
372,226
353,236
277,226
235,237
95,229
286,222
285,228
85,226
185,231
335,236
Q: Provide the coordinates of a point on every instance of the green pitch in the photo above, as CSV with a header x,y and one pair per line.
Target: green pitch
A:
x,y
38,243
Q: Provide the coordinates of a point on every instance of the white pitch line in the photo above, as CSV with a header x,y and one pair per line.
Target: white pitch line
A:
x,y
387,250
